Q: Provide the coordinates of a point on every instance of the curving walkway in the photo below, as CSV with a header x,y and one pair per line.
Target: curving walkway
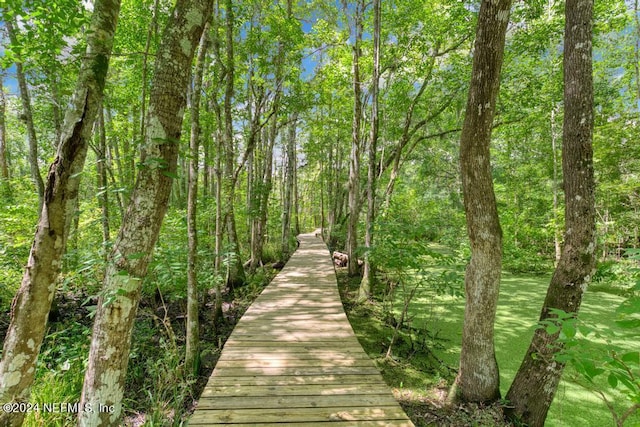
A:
x,y
293,358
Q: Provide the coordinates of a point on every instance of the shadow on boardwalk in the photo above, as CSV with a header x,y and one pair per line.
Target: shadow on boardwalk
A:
x,y
294,359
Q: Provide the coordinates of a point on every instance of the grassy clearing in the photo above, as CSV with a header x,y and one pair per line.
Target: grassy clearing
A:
x,y
421,369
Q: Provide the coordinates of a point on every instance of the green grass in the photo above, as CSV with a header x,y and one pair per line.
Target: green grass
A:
x,y
519,305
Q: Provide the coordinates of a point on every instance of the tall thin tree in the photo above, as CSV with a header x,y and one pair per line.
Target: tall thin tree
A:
x,y
192,335
364,292
234,275
27,116
356,124
4,165
536,381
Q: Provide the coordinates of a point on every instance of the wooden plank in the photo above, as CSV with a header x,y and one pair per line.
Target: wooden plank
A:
x,y
288,380
258,416
283,402
223,371
293,390
293,346
263,353
383,423
292,363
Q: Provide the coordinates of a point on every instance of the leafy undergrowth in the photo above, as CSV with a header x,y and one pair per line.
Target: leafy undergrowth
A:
x,y
419,378
156,391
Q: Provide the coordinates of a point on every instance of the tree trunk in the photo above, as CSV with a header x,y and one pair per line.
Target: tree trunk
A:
x,y
557,232
478,379
54,87
287,198
27,116
192,353
127,265
103,193
4,166
537,379
354,160
30,307
364,292
152,31
234,270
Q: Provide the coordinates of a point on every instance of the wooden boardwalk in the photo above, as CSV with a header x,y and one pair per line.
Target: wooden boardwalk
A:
x,y
293,358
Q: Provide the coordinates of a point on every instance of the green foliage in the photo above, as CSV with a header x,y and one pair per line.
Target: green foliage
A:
x,y
155,381
60,372
17,220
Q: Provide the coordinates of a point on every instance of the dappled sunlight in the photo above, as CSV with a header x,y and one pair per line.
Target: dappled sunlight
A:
x,y
295,340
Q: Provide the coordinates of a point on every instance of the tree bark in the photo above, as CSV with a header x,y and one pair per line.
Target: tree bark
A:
x,y
478,379
30,307
132,251
536,382
103,185
152,31
235,275
354,160
364,291
287,200
27,116
4,166
192,353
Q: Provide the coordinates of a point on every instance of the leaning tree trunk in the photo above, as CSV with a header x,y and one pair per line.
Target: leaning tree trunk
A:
x,y
478,379
537,379
30,307
131,254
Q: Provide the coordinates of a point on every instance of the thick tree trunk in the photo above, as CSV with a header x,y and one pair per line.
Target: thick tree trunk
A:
x,y
478,379
30,308
537,379
364,292
27,116
127,265
192,352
